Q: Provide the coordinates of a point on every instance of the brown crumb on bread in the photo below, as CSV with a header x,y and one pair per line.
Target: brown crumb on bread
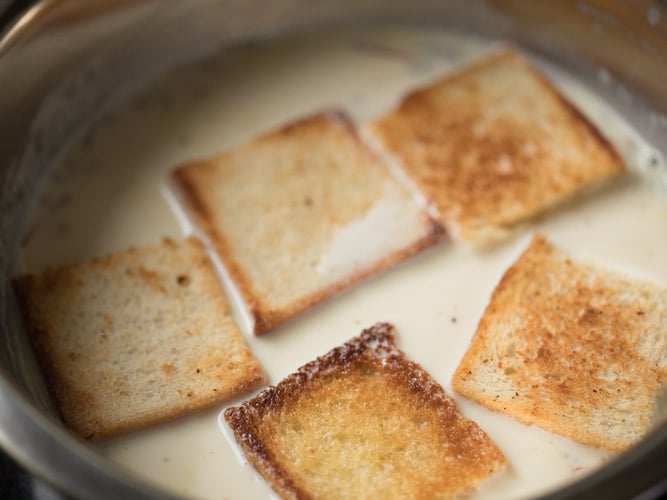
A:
x,y
493,145
300,213
363,422
572,348
135,338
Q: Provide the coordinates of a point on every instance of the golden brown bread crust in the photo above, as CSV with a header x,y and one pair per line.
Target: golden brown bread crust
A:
x,y
196,184
571,348
135,338
362,421
493,145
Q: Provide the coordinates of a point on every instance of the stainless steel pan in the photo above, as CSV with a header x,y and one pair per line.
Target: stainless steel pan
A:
x,y
64,62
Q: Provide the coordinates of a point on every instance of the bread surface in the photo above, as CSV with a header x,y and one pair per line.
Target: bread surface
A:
x,y
493,145
300,213
135,338
363,422
572,348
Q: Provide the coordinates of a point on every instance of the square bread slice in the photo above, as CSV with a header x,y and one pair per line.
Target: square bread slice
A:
x,y
135,338
571,348
363,422
492,146
300,213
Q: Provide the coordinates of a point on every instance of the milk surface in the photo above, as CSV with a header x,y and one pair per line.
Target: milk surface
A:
x,y
110,193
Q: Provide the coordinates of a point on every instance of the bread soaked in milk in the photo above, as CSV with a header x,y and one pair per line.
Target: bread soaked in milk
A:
x,y
136,337
493,145
363,421
572,348
110,194
289,215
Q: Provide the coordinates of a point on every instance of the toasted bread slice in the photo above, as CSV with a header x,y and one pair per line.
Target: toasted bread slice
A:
x,y
300,213
571,348
492,146
135,338
363,422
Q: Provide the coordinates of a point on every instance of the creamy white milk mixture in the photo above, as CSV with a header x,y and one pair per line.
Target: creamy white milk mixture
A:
x,y
110,194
